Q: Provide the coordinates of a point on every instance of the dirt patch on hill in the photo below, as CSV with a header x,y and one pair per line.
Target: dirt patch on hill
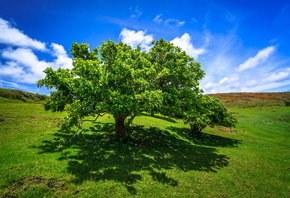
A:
x,y
33,184
246,97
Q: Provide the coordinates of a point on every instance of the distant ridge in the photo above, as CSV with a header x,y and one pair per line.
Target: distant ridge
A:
x,y
241,99
246,99
14,94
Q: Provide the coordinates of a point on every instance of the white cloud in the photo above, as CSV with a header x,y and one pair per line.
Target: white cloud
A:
x,y
209,85
23,66
227,84
133,38
181,23
136,13
225,79
169,22
62,60
278,76
176,22
185,44
249,82
26,58
261,57
12,85
157,19
194,20
223,52
20,63
12,36
263,87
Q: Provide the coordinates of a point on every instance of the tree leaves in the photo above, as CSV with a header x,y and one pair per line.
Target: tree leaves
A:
x,y
125,81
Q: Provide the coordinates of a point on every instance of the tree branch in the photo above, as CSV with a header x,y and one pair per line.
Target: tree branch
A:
x,y
82,121
130,120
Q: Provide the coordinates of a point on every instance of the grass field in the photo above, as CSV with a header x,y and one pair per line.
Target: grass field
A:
x,y
160,159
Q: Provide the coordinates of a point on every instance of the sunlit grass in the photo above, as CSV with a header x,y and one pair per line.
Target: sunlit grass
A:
x,y
159,159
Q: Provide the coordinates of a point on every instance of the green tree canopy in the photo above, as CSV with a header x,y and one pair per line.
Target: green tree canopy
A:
x,y
124,82
203,111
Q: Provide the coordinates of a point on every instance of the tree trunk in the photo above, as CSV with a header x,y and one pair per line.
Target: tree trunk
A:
x,y
120,127
195,129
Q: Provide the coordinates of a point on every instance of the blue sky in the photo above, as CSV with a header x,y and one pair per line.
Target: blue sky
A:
x,y
243,46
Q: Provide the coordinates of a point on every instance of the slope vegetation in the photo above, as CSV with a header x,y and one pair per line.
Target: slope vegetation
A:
x,y
253,99
160,158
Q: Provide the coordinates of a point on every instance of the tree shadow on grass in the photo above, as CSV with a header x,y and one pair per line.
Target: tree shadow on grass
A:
x,y
96,154
161,117
205,139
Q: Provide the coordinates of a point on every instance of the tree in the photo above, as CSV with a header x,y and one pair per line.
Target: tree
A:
x,y
203,111
178,76
123,82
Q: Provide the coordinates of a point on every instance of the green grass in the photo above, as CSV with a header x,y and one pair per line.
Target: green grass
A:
x,y
159,159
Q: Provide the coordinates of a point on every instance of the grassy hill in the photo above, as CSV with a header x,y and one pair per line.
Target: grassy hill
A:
x,y
12,95
160,160
253,99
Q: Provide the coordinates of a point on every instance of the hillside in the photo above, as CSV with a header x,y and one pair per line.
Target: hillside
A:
x,y
8,95
159,159
242,99
245,99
